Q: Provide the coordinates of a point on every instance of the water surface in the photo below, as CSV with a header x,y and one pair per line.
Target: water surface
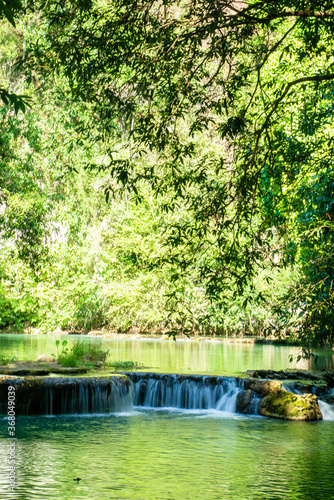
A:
x,y
149,455
173,357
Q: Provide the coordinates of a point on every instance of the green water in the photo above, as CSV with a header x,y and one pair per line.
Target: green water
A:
x,y
176,455
151,455
173,357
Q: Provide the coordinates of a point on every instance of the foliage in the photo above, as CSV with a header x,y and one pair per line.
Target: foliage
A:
x,y
208,127
255,77
82,353
23,201
6,360
123,365
9,9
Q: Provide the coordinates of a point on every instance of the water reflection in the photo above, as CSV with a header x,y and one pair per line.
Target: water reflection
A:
x,y
170,357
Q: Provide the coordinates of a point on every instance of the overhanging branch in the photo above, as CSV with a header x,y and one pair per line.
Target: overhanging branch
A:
x,y
315,78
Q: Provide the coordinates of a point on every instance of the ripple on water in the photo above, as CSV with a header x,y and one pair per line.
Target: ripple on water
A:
x,y
179,455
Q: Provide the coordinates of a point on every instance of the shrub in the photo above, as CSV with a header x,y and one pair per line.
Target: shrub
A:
x,y
84,353
6,360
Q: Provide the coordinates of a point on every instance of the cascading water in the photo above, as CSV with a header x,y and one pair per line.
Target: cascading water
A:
x,y
84,395
326,410
59,395
87,396
185,391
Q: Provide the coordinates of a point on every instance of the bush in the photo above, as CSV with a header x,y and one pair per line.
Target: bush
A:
x,y
6,360
82,353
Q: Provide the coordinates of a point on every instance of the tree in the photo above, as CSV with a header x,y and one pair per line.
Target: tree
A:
x,y
256,78
9,9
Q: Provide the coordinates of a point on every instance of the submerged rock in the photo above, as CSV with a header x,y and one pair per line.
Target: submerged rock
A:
x,y
287,406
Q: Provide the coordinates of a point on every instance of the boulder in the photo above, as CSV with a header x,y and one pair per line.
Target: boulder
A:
x,y
44,358
262,387
287,406
245,402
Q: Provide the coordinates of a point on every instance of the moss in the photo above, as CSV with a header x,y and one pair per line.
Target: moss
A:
x,y
288,406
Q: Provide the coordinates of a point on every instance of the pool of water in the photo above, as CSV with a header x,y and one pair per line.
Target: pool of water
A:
x,y
180,455
172,357
151,454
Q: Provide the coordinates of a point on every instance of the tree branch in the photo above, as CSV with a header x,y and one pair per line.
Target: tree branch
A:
x,y
247,12
315,78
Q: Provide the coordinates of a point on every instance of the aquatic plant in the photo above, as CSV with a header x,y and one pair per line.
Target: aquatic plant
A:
x,y
82,353
124,365
6,360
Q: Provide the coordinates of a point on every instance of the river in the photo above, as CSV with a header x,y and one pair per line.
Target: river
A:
x,y
160,454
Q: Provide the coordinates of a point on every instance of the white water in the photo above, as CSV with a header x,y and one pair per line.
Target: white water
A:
x,y
326,410
186,392
86,398
59,396
147,390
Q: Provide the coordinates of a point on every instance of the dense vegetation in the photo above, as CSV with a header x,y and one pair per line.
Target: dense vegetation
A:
x,y
207,126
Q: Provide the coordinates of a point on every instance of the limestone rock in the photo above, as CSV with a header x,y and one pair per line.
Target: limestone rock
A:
x,y
262,387
288,406
44,358
104,394
245,400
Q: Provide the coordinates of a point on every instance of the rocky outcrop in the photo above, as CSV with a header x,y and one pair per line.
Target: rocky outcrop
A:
x,y
317,377
287,406
25,368
320,383
262,387
246,401
277,402
329,397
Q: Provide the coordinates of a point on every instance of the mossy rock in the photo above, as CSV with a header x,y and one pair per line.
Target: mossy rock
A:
x,y
288,406
262,387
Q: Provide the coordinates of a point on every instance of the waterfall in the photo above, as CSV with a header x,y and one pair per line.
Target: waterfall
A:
x,y
109,394
185,391
326,409
87,395
68,395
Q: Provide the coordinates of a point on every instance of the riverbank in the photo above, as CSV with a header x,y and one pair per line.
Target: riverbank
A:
x,y
316,381
163,336
167,356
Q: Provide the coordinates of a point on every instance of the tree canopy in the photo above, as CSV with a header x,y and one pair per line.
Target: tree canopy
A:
x,y
222,108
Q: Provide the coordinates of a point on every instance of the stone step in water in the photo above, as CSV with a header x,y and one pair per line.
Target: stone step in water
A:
x,y
108,394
